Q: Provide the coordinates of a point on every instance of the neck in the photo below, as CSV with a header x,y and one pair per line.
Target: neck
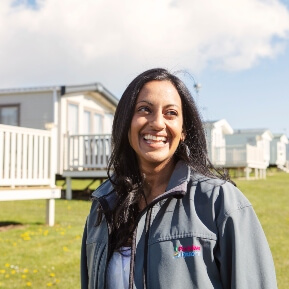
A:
x,y
156,178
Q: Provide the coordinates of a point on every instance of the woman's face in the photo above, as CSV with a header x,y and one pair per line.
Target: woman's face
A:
x,y
157,124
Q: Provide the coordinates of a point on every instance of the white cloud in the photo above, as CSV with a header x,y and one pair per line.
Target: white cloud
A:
x,y
78,41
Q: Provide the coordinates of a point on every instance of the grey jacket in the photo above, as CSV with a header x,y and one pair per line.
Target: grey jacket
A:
x,y
201,233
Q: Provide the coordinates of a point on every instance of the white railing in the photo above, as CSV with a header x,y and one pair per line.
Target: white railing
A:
x,y
219,156
235,155
256,157
26,157
245,156
88,152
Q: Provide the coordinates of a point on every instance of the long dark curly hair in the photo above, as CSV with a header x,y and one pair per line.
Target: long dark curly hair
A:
x,y
126,177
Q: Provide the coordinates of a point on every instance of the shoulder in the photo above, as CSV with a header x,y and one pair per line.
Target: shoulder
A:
x,y
219,196
103,190
105,195
218,188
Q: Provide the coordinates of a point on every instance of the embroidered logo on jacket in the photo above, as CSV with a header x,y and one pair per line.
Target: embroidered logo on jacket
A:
x,y
188,251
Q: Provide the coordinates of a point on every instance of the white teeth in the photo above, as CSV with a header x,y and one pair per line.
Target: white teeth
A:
x,y
155,138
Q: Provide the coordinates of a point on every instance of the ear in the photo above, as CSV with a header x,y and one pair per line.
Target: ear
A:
x,y
183,135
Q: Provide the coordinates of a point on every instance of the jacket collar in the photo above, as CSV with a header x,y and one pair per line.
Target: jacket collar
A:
x,y
177,187
179,179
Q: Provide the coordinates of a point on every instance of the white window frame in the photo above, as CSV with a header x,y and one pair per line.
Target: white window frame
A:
x,y
16,105
67,116
92,113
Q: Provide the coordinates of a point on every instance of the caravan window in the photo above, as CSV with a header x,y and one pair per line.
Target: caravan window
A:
x,y
9,114
72,118
87,122
92,122
97,123
108,123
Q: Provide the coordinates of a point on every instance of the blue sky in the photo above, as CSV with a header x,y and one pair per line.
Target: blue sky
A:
x,y
237,50
254,98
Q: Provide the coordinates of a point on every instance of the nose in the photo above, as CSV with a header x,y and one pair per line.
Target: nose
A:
x,y
157,121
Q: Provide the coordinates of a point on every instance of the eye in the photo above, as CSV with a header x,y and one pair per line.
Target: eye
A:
x,y
144,109
172,113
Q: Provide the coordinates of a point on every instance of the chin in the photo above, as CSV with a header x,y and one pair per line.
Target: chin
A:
x,y
159,160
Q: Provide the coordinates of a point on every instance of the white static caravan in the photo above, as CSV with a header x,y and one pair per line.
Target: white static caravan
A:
x,y
69,112
249,149
216,142
278,155
287,157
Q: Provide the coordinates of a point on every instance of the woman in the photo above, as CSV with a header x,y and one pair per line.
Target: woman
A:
x,y
166,218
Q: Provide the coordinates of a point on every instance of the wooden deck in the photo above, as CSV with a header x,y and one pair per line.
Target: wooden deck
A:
x,y
27,167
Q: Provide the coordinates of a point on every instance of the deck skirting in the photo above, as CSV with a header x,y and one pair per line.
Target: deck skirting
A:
x,y
34,193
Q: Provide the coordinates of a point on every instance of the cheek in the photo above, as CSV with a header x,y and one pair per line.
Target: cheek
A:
x,y
178,131
132,136
137,123
128,136
131,131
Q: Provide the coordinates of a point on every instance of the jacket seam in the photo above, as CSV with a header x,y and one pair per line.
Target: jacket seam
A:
x,y
229,213
193,234
97,246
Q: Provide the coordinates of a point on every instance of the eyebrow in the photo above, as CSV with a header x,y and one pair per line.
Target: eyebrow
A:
x,y
151,104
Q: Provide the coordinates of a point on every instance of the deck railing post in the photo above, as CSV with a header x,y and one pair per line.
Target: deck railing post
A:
x,y
68,150
53,155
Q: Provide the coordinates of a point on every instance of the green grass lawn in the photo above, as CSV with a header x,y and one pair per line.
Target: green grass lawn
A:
x,y
36,256
270,199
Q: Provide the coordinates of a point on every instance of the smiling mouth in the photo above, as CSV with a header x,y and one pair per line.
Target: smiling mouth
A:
x,y
154,139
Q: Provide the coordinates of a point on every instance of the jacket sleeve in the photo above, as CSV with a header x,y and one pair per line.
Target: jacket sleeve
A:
x,y
243,253
83,261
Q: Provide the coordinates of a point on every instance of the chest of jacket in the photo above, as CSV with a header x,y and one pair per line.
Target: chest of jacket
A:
x,y
173,248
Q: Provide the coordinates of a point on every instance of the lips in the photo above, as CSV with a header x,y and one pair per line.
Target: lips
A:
x,y
155,139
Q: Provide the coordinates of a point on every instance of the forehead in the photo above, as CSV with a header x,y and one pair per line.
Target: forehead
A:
x,y
159,90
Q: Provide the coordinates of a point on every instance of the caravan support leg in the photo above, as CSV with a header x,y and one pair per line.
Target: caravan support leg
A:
x,y
50,212
68,194
257,173
247,171
264,174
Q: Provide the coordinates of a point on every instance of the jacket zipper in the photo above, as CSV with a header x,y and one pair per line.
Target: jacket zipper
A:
x,y
147,228
132,259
